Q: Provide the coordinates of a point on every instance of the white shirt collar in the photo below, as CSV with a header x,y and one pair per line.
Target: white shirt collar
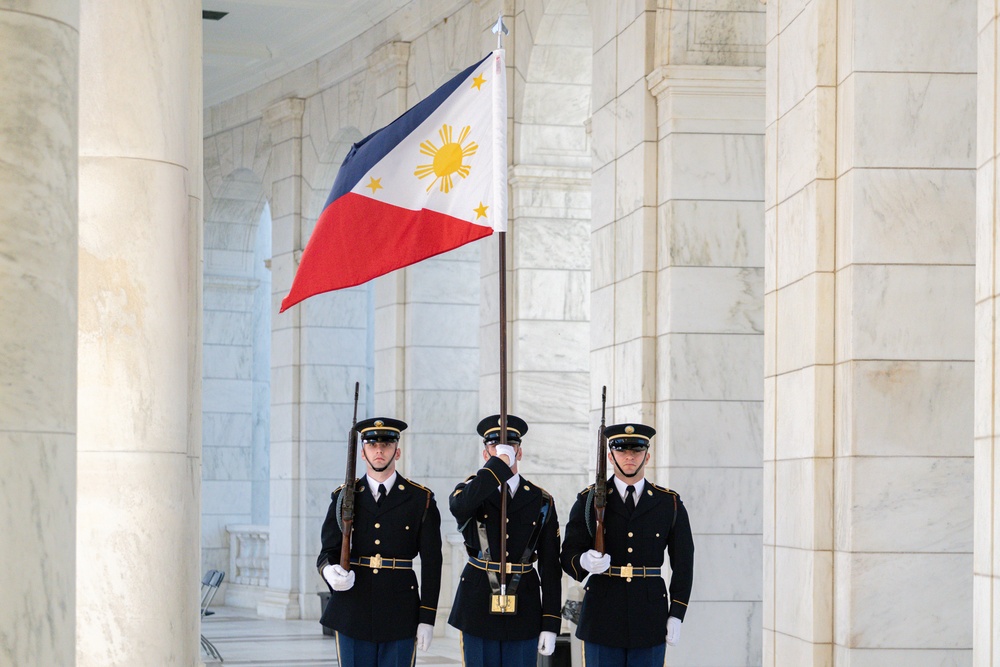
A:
x,y
513,483
639,485
373,485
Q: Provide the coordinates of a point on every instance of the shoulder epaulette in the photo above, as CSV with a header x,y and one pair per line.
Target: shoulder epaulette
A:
x,y
662,488
419,486
587,490
339,488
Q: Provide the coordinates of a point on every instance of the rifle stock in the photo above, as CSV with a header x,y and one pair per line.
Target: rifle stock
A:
x,y
600,486
347,495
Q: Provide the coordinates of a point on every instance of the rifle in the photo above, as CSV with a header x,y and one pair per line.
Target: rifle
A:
x,y
347,495
601,486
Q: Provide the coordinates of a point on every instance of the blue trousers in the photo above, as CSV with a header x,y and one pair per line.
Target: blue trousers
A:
x,y
358,653
595,655
479,652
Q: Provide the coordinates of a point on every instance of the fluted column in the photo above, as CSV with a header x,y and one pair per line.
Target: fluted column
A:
x,y
39,45
139,325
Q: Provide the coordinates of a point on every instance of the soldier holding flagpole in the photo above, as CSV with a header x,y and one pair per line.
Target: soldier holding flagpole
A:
x,y
506,612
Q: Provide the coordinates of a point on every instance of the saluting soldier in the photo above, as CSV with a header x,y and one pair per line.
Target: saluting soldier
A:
x,y
379,615
627,612
506,627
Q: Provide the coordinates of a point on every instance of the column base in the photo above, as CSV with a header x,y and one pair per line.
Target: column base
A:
x,y
279,604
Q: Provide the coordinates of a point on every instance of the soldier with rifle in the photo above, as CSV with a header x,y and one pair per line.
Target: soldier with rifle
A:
x,y
508,600
618,531
370,538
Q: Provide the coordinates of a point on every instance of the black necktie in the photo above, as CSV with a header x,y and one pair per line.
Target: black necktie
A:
x,y
630,499
381,494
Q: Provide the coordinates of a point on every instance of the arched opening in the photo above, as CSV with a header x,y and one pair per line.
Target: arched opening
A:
x,y
236,378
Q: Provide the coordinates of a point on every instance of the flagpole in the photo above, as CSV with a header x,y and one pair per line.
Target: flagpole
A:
x,y
500,29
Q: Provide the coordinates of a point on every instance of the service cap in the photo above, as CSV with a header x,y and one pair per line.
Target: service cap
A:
x,y
380,429
489,429
629,436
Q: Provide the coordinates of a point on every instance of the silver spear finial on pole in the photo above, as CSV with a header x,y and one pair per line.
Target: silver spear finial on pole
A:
x,y
500,29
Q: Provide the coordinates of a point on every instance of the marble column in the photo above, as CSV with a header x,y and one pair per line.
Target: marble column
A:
x,y
290,418
139,326
710,345
39,45
319,349
426,316
986,556
869,378
426,350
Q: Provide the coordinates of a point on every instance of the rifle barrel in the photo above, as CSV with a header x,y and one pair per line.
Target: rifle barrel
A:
x,y
600,484
347,495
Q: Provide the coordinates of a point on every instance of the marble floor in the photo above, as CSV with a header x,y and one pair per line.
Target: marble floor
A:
x,y
245,640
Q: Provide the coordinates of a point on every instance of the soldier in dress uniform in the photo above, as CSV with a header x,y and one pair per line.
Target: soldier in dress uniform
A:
x,y
378,613
506,627
627,612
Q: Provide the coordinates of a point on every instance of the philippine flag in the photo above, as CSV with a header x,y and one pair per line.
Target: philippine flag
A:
x,y
432,180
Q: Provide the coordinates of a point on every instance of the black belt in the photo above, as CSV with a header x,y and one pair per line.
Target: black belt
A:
x,y
628,571
376,563
493,566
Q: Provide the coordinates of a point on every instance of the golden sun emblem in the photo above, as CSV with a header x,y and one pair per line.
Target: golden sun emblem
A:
x,y
446,160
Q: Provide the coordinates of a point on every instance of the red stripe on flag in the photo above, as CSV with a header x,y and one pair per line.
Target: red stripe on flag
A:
x,y
358,238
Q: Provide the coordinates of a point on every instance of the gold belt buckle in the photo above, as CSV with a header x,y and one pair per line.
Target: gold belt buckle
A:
x,y
503,604
626,571
376,562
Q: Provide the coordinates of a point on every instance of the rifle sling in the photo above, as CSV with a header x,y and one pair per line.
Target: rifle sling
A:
x,y
529,550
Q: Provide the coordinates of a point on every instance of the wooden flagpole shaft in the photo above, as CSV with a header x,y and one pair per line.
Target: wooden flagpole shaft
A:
x,y
503,411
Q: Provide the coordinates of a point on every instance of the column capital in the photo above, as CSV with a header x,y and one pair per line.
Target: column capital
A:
x,y
727,79
387,56
288,110
387,65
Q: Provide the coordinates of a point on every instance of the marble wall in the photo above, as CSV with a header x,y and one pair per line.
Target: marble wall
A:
x,y
139,365
38,336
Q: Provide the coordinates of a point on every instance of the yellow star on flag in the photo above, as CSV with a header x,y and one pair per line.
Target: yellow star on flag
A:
x,y
481,211
478,82
375,184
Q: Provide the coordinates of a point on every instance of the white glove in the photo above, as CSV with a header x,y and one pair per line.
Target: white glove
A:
x,y
673,630
546,642
508,451
594,561
425,633
338,578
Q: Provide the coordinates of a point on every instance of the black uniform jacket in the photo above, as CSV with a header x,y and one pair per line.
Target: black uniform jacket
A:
x,y
386,605
632,614
538,601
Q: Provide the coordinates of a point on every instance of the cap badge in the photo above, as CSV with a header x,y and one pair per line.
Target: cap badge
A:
x,y
379,423
629,430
